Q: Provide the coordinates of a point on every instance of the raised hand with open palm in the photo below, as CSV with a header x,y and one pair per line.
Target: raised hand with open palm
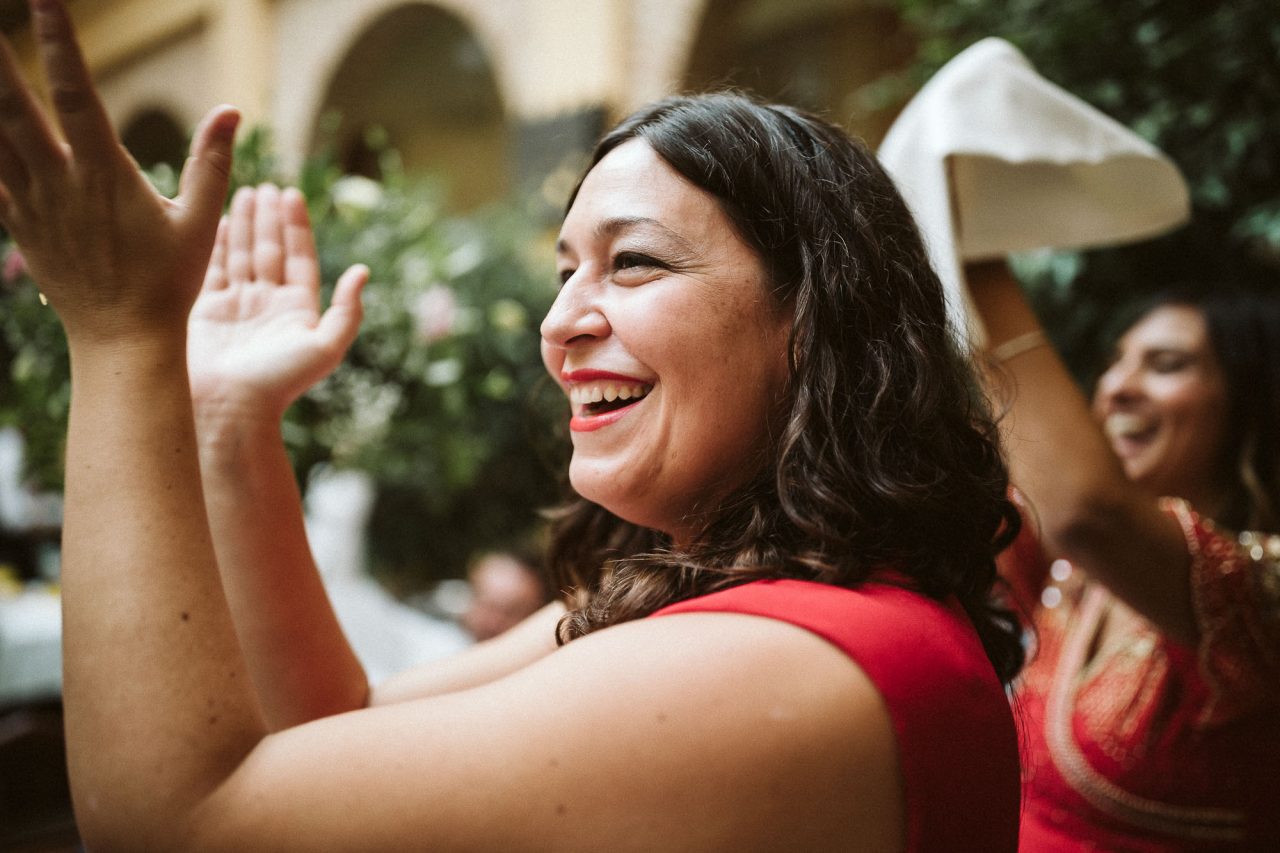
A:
x,y
257,338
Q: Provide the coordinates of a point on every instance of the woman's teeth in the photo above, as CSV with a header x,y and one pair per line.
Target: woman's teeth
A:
x,y
1124,425
606,392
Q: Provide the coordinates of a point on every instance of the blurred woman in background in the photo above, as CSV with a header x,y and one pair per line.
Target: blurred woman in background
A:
x,y
1151,707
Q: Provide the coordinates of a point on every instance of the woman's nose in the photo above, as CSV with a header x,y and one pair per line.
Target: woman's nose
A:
x,y
1119,383
575,316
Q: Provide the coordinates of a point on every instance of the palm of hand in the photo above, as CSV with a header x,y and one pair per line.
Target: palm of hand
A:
x,y
256,337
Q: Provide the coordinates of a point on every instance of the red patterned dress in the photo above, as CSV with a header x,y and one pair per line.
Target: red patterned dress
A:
x,y
1140,743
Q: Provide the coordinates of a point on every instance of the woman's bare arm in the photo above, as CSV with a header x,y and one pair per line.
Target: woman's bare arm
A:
x,y
691,732
256,341
530,641
1085,507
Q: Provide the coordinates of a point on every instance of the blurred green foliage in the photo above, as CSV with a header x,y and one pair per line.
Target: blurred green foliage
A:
x,y
442,399
35,384
1201,81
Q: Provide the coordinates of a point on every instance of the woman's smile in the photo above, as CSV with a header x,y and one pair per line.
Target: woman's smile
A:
x,y
1130,433
600,398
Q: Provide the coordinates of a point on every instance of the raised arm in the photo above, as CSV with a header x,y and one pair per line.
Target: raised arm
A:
x,y
1086,509
141,595
257,341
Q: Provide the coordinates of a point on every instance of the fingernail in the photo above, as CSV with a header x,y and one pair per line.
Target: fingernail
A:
x,y
227,124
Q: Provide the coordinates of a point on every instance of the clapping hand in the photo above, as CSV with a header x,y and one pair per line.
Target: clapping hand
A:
x,y
257,339
118,261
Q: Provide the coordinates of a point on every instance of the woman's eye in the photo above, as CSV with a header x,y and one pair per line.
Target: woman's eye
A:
x,y
1169,362
633,260
564,275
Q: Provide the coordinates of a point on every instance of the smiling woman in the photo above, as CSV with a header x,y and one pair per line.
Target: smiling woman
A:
x,y
662,296
1150,710
1163,403
775,451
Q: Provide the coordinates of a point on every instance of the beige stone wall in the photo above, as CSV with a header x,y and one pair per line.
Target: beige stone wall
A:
x,y
174,76
663,34
275,58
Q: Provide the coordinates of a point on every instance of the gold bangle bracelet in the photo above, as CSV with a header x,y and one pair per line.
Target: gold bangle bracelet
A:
x,y
1018,345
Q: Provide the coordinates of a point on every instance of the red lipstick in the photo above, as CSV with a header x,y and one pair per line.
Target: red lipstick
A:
x,y
588,417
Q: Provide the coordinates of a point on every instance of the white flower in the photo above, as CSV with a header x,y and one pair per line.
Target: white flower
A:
x,y
435,313
464,259
355,195
443,372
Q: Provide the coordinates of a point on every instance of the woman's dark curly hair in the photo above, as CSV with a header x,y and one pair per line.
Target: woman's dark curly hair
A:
x,y
886,457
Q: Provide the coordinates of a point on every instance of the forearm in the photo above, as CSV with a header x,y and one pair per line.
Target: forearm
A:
x,y
299,659
159,708
1084,506
531,640
1045,419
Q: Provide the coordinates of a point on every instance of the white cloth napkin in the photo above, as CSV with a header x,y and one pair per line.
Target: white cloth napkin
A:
x,y
1030,165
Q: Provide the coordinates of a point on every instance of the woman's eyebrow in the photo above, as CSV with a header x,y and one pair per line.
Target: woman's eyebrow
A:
x,y
614,226
620,224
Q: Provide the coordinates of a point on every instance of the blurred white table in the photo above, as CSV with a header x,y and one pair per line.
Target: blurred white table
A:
x,y
30,645
387,635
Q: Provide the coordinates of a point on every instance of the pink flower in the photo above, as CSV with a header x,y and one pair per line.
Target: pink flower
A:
x,y
435,313
15,266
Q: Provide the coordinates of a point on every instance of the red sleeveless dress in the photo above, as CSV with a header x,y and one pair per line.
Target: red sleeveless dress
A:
x,y
957,744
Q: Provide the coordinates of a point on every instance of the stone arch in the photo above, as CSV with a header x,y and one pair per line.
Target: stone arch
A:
x,y
822,55
153,136
418,74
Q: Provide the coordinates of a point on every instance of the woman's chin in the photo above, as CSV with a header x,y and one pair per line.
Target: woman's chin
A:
x,y
596,483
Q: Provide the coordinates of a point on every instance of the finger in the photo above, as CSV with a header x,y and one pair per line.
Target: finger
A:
x,y
240,236
21,118
301,263
268,239
215,277
76,104
207,172
339,324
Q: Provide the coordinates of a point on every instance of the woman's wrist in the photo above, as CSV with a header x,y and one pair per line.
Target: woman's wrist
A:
x,y
1017,345
126,365
234,432
1000,303
239,408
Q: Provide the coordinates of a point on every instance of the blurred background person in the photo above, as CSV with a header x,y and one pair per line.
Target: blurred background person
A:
x,y
1149,564
1151,708
506,587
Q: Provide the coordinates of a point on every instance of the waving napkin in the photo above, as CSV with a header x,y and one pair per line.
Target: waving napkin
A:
x,y
1029,166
